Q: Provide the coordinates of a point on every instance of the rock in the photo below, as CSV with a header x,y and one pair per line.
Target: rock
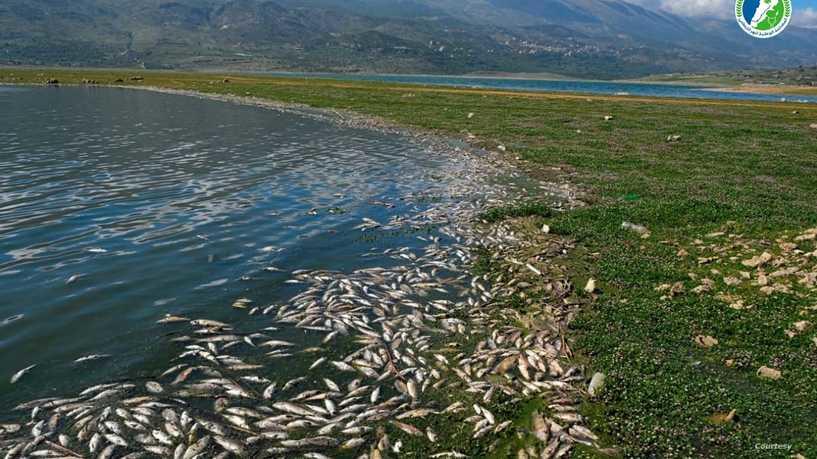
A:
x,y
137,78
769,373
546,229
608,118
596,384
51,82
813,125
673,138
502,148
470,115
226,80
119,80
705,341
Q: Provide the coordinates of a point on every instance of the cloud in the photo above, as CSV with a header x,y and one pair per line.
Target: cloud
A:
x,y
722,9
805,18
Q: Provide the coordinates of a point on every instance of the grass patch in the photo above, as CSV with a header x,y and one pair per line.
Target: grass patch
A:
x,y
526,209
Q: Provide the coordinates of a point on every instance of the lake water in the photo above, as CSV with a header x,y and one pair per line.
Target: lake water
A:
x,y
118,207
579,86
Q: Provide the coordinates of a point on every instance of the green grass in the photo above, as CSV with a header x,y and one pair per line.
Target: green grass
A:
x,y
746,166
524,209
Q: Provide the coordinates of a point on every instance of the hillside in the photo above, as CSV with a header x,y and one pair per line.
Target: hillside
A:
x,y
589,38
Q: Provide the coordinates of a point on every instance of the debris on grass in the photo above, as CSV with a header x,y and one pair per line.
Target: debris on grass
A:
x,y
596,384
706,341
638,229
757,261
769,373
798,328
722,418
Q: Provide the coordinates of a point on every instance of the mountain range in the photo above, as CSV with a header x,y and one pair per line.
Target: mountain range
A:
x,y
585,38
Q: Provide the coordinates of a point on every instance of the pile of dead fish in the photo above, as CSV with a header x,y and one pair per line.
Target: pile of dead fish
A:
x,y
384,351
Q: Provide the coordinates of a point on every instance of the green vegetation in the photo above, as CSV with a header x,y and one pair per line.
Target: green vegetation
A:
x,y
738,182
798,80
525,209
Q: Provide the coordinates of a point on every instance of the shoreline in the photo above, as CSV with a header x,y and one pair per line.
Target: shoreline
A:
x,y
574,430
511,92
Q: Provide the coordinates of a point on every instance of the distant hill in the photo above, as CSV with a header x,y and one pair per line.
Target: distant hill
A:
x,y
587,38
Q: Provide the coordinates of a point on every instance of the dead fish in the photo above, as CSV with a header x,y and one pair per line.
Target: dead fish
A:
x,y
229,445
409,429
21,373
153,387
11,319
91,357
73,279
169,319
313,441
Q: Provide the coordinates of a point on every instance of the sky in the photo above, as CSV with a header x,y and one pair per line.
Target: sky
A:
x,y
804,15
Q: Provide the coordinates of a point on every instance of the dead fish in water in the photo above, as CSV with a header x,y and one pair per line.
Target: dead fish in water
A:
x,y
21,373
153,387
11,319
73,279
242,303
169,319
91,357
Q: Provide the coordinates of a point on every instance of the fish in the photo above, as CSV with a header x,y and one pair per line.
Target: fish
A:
x,y
73,279
12,319
88,358
16,377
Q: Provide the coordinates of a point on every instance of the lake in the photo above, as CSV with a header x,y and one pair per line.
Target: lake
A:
x,y
118,207
577,86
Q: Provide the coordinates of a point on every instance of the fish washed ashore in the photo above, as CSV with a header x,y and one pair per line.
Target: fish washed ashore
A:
x,y
449,350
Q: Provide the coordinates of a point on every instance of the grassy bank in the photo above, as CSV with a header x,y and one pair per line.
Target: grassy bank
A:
x,y
738,182
795,81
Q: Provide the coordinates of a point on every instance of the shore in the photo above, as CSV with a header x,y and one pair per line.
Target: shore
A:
x,y
701,316
781,89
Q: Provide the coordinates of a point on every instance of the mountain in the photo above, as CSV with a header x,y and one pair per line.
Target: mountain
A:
x,y
588,38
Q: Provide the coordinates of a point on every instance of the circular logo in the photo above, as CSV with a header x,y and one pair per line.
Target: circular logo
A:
x,y
763,18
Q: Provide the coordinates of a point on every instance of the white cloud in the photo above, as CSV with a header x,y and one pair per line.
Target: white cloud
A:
x,y
722,9
709,8
805,18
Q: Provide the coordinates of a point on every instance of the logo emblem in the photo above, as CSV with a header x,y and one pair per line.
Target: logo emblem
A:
x,y
763,18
